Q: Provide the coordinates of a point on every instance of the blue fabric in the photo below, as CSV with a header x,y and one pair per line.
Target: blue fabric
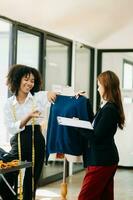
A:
x,y
64,139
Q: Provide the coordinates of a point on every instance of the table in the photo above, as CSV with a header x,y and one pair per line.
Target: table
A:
x,y
21,165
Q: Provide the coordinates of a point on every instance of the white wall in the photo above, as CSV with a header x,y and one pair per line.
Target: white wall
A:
x,y
121,39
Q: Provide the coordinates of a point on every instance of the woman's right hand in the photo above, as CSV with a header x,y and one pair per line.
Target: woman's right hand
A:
x,y
35,114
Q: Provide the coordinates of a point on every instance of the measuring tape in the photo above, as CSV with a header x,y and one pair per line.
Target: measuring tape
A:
x,y
20,153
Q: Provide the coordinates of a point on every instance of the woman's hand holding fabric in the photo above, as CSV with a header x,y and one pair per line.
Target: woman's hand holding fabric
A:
x,y
79,93
51,96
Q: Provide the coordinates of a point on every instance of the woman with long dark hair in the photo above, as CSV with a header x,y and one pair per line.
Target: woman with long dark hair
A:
x,y
102,155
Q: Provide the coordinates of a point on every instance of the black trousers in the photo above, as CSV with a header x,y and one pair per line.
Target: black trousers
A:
x,y
26,150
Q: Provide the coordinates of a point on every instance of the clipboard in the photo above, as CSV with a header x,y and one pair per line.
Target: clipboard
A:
x,y
64,121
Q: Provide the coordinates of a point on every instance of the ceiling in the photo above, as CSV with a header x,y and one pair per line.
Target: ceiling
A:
x,y
99,23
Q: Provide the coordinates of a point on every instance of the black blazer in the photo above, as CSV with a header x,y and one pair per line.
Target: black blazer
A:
x,y
101,149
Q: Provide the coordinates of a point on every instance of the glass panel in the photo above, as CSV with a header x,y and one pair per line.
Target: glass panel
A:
x,y
52,168
82,77
4,64
28,49
77,167
56,74
128,76
128,100
56,64
82,71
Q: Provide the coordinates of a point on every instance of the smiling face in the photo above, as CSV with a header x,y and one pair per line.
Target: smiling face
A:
x,y
26,84
101,89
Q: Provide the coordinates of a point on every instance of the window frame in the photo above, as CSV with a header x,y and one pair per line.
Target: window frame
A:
x,y
125,61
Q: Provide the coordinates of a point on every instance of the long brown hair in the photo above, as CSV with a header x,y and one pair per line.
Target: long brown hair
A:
x,y
110,81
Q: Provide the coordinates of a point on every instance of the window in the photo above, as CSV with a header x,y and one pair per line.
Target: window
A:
x,y
57,72
56,64
127,75
28,49
128,81
5,31
82,68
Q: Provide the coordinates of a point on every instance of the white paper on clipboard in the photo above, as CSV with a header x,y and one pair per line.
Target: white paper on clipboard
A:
x,y
74,122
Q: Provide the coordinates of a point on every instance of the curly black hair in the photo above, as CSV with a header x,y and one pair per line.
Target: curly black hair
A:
x,y
15,75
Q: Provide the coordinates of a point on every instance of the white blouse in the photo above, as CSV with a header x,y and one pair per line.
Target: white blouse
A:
x,y
103,103
39,101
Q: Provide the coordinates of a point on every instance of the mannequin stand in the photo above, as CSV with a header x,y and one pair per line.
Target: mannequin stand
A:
x,y
64,184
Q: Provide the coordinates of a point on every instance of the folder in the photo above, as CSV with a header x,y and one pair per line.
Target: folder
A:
x,y
74,122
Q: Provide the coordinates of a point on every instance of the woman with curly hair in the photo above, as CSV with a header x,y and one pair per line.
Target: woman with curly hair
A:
x,y
24,110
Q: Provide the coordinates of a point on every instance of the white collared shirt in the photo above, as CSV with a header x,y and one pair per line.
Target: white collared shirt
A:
x,y
39,101
103,103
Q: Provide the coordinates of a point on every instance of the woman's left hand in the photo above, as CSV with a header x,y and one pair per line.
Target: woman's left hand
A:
x,y
51,96
80,93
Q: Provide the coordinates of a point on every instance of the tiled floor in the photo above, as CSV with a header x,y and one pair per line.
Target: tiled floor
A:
x,y
123,187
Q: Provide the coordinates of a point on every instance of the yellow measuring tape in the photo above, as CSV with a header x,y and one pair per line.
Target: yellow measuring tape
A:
x,y
33,152
20,171
20,157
